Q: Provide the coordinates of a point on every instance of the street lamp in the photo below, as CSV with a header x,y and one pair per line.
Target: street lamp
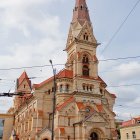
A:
x,y
54,92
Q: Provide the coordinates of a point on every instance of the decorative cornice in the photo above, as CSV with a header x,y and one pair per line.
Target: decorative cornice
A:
x,y
76,41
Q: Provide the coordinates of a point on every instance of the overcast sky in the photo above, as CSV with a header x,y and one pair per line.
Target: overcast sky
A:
x,y
34,31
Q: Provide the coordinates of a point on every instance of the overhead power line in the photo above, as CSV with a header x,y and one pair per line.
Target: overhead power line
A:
x,y
120,58
127,85
120,27
41,66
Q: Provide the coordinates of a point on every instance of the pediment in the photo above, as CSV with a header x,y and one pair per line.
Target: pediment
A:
x,y
96,118
88,30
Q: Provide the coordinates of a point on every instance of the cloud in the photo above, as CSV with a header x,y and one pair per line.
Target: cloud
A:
x,y
117,73
30,36
122,73
24,15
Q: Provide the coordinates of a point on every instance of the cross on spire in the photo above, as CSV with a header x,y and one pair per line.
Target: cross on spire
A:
x,y
80,12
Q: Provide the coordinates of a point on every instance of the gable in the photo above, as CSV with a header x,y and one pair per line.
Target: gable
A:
x,y
96,117
86,29
24,86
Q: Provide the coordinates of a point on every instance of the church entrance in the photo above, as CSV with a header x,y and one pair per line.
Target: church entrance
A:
x,y
94,136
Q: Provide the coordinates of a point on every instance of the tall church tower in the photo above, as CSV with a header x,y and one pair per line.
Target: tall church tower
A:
x,y
81,48
87,105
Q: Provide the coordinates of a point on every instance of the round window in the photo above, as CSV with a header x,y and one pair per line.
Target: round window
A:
x,y
87,110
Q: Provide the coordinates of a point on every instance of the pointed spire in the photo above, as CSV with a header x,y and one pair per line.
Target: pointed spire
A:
x,y
80,12
23,77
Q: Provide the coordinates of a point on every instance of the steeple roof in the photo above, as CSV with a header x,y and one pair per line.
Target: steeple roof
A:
x,y
80,12
23,77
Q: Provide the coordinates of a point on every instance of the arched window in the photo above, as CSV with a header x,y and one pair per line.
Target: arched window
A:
x,y
85,59
87,110
85,36
87,88
83,87
91,88
52,89
101,91
68,121
67,88
85,70
75,8
61,88
49,91
81,7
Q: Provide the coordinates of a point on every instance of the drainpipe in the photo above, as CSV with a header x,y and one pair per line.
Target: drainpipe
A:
x,y
74,130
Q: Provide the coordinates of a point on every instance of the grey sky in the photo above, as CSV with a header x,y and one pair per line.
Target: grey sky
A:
x,y
32,32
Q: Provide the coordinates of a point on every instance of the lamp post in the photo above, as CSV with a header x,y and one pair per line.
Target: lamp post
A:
x,y
54,92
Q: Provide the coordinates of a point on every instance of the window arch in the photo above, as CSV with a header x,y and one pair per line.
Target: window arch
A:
x,y
69,121
85,59
87,88
91,88
67,88
61,88
49,91
86,37
85,70
88,109
84,87
52,89
76,8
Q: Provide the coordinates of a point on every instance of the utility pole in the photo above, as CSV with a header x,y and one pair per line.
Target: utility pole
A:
x,y
54,99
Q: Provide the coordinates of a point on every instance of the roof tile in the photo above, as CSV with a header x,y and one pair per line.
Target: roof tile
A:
x,y
69,100
62,74
99,107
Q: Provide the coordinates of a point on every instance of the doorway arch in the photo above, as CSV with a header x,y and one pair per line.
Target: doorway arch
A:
x,y
94,136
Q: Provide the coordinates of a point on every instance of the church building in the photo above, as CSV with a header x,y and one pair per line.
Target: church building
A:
x,y
83,106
